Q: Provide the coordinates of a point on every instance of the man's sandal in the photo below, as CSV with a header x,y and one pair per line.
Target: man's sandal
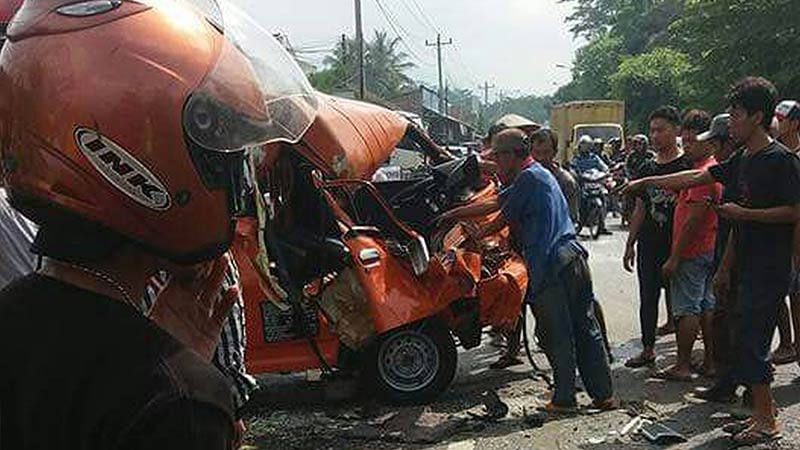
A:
x,y
639,361
552,408
751,437
735,428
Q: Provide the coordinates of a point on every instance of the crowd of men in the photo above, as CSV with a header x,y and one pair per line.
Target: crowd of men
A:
x,y
714,227
713,208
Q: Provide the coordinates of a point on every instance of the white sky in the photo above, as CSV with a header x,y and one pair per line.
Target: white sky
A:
x,y
514,44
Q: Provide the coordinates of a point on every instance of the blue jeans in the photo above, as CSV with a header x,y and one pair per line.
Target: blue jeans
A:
x,y
690,285
570,335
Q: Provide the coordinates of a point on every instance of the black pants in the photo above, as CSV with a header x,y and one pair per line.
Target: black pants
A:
x,y
653,253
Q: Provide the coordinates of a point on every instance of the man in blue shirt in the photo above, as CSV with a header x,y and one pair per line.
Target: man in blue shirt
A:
x,y
560,286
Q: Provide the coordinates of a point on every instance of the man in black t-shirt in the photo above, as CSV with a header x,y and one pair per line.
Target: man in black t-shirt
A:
x,y
651,228
765,184
93,373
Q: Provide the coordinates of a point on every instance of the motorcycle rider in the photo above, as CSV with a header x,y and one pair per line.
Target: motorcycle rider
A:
x,y
639,155
587,160
154,142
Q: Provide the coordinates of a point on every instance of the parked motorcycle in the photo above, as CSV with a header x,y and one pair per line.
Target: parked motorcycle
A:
x,y
594,191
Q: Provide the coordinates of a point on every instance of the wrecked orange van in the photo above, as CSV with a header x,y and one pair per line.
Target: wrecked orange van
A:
x,y
348,275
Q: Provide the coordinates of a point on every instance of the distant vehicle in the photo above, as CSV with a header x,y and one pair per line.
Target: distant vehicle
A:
x,y
416,119
601,119
594,201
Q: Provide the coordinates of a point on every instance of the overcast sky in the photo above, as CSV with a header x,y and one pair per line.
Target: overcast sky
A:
x,y
514,44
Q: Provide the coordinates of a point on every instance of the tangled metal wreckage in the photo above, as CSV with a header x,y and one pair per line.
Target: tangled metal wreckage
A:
x,y
343,273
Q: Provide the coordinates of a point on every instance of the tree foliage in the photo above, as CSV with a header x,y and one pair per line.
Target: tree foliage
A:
x,y
685,52
646,81
385,67
730,39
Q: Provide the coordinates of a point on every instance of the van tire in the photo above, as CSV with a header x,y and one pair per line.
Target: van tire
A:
x,y
412,365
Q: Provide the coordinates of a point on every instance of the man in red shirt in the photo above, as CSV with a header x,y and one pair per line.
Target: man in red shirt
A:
x,y
690,264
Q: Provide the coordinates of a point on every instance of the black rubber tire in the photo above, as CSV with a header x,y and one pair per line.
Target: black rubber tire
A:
x,y
436,339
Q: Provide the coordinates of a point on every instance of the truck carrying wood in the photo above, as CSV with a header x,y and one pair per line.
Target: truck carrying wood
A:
x,y
602,119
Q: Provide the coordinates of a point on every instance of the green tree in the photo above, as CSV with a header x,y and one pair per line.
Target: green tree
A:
x,y
730,39
592,69
385,67
650,80
641,24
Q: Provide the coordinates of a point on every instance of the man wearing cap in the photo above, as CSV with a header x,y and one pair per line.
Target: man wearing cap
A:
x,y
560,286
527,126
787,113
689,267
724,389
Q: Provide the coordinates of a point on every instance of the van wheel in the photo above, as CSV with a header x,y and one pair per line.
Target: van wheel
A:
x,y
413,365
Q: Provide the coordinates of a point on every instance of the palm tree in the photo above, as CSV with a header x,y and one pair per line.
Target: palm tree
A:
x,y
385,67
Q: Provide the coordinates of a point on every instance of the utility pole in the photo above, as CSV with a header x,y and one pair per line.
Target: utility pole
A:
x,y
438,44
360,49
486,88
447,99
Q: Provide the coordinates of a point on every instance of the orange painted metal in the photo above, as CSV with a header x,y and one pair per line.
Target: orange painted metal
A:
x,y
262,356
351,139
501,296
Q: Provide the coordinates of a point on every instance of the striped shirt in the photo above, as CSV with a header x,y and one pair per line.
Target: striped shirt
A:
x,y
16,237
229,356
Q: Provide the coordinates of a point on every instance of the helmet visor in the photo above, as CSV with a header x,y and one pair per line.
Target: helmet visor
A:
x,y
254,94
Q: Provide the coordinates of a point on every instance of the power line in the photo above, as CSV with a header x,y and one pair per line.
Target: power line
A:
x,y
393,18
397,33
425,16
416,15
471,78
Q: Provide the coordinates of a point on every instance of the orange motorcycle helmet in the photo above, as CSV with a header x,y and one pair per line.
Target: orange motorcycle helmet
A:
x,y
134,118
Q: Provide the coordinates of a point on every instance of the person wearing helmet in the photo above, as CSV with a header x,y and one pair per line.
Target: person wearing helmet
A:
x,y
586,160
638,156
788,115
598,147
130,158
